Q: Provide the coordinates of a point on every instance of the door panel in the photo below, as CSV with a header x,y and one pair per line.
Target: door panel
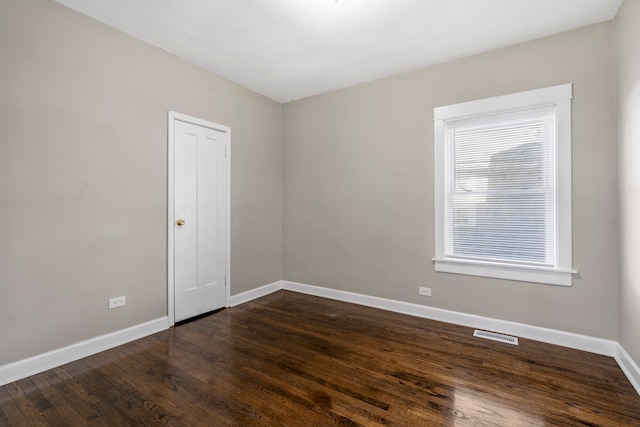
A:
x,y
200,197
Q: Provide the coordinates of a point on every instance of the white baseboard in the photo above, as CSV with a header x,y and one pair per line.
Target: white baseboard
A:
x,y
51,359
36,364
551,336
255,293
628,366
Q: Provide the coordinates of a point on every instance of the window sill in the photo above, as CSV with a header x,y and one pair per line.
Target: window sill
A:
x,y
548,276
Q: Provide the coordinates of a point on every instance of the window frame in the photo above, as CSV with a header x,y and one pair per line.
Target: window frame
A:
x,y
558,97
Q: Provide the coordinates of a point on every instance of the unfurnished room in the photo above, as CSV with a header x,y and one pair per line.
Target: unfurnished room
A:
x,y
320,212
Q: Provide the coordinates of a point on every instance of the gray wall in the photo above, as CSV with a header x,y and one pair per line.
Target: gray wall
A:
x,y
83,176
628,90
358,185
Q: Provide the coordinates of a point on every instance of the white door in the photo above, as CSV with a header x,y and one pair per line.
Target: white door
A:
x,y
199,219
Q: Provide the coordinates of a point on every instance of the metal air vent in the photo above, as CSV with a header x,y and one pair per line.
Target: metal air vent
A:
x,y
496,337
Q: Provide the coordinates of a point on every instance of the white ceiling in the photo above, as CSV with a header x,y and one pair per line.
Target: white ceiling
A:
x,y
291,49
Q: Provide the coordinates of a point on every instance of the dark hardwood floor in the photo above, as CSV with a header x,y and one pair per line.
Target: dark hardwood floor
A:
x,y
295,360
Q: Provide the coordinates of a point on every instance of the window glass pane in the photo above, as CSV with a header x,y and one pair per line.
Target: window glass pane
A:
x,y
510,227
500,188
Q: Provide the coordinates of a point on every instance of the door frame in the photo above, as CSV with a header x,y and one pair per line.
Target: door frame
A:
x,y
171,219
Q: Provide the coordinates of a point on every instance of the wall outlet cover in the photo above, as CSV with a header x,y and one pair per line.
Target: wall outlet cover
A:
x,y
424,291
117,302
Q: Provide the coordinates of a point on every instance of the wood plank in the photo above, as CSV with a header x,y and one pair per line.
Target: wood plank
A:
x,y
29,413
289,359
58,411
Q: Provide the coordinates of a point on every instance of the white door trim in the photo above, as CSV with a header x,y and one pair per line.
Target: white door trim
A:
x,y
173,116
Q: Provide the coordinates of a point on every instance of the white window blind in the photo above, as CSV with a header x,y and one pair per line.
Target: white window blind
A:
x,y
503,187
500,193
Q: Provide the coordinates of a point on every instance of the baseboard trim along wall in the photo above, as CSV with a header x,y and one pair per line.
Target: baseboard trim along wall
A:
x,y
36,364
628,366
254,293
51,359
552,336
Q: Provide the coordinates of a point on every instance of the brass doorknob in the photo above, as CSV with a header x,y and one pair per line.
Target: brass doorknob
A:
x,y
180,222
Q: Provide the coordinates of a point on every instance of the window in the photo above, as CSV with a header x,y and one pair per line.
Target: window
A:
x,y
503,187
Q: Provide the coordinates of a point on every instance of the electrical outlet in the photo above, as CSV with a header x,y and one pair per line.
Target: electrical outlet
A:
x,y
425,292
117,302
